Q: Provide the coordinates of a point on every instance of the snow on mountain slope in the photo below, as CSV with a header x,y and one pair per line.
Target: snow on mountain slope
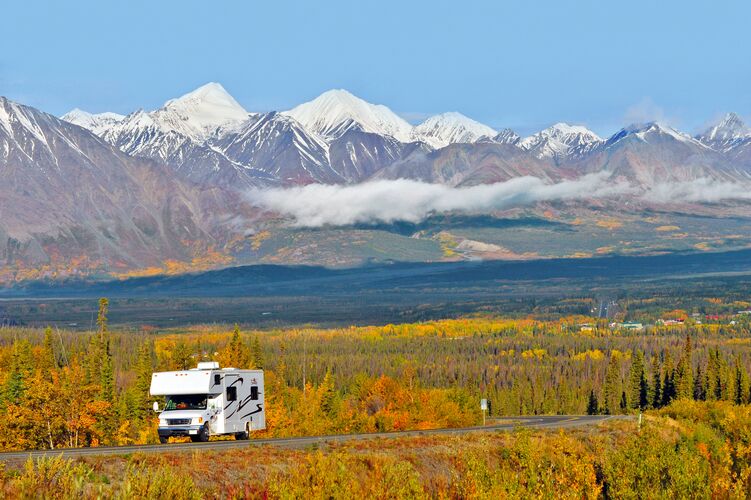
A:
x,y
650,154
197,116
507,136
73,203
279,146
561,141
96,122
335,112
450,128
199,113
655,132
726,134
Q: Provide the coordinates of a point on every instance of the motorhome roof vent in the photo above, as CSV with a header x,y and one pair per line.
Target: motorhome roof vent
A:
x,y
208,365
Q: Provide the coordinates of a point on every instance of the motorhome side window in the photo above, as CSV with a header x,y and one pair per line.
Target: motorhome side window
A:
x,y
217,379
231,393
254,392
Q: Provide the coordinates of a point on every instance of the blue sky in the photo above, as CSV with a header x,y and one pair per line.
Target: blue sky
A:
x,y
506,63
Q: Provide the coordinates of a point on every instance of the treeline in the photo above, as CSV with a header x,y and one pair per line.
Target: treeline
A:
x,y
656,383
62,388
93,389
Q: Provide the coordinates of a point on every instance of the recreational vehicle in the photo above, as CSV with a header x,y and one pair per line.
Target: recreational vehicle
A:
x,y
209,401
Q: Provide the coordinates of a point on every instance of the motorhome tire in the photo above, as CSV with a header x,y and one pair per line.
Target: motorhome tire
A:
x,y
163,439
241,436
202,436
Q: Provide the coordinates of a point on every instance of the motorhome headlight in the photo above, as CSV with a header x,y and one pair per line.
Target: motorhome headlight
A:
x,y
198,420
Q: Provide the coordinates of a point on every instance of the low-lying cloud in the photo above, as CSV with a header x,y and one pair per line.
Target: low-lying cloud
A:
x,y
388,201
702,190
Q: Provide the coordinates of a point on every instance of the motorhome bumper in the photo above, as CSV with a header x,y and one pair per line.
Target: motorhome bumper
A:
x,y
181,430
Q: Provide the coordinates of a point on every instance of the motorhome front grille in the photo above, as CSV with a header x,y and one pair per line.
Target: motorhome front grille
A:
x,y
178,421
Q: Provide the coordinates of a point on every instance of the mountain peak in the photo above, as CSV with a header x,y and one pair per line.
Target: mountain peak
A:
x,y
95,122
449,128
200,112
648,131
728,129
507,136
211,92
336,111
561,140
562,129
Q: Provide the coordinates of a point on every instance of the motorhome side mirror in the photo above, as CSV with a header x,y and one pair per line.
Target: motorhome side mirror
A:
x,y
156,406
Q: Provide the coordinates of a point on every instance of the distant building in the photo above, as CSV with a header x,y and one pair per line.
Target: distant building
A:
x,y
631,326
670,322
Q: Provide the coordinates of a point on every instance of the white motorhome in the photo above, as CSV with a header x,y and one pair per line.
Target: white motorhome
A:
x,y
208,401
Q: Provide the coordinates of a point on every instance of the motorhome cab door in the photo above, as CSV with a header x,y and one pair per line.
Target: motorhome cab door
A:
x,y
217,402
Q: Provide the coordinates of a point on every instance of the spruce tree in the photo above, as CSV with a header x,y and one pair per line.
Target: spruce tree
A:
x,y
637,396
181,356
593,406
655,396
684,375
612,391
19,374
668,380
236,353
328,396
48,361
256,354
106,373
741,383
144,369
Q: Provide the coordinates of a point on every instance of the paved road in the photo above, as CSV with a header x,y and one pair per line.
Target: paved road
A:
x,y
499,424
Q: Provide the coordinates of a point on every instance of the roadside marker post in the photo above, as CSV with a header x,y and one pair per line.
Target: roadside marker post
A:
x,y
484,408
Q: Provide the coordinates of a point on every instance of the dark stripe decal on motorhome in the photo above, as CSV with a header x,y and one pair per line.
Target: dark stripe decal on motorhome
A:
x,y
259,410
242,405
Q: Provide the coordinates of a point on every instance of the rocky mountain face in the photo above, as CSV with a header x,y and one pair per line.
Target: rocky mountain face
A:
x,y
108,192
338,138
68,199
561,142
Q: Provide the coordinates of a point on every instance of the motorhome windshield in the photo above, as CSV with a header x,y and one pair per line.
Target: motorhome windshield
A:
x,y
186,402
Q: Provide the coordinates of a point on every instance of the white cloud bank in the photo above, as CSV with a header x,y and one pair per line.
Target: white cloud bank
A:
x,y
701,190
387,201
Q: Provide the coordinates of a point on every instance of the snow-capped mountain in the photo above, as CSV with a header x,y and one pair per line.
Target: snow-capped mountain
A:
x,y
561,141
507,136
65,193
106,192
450,128
655,132
280,147
97,123
650,153
469,164
210,139
726,134
358,155
198,114
177,134
335,112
